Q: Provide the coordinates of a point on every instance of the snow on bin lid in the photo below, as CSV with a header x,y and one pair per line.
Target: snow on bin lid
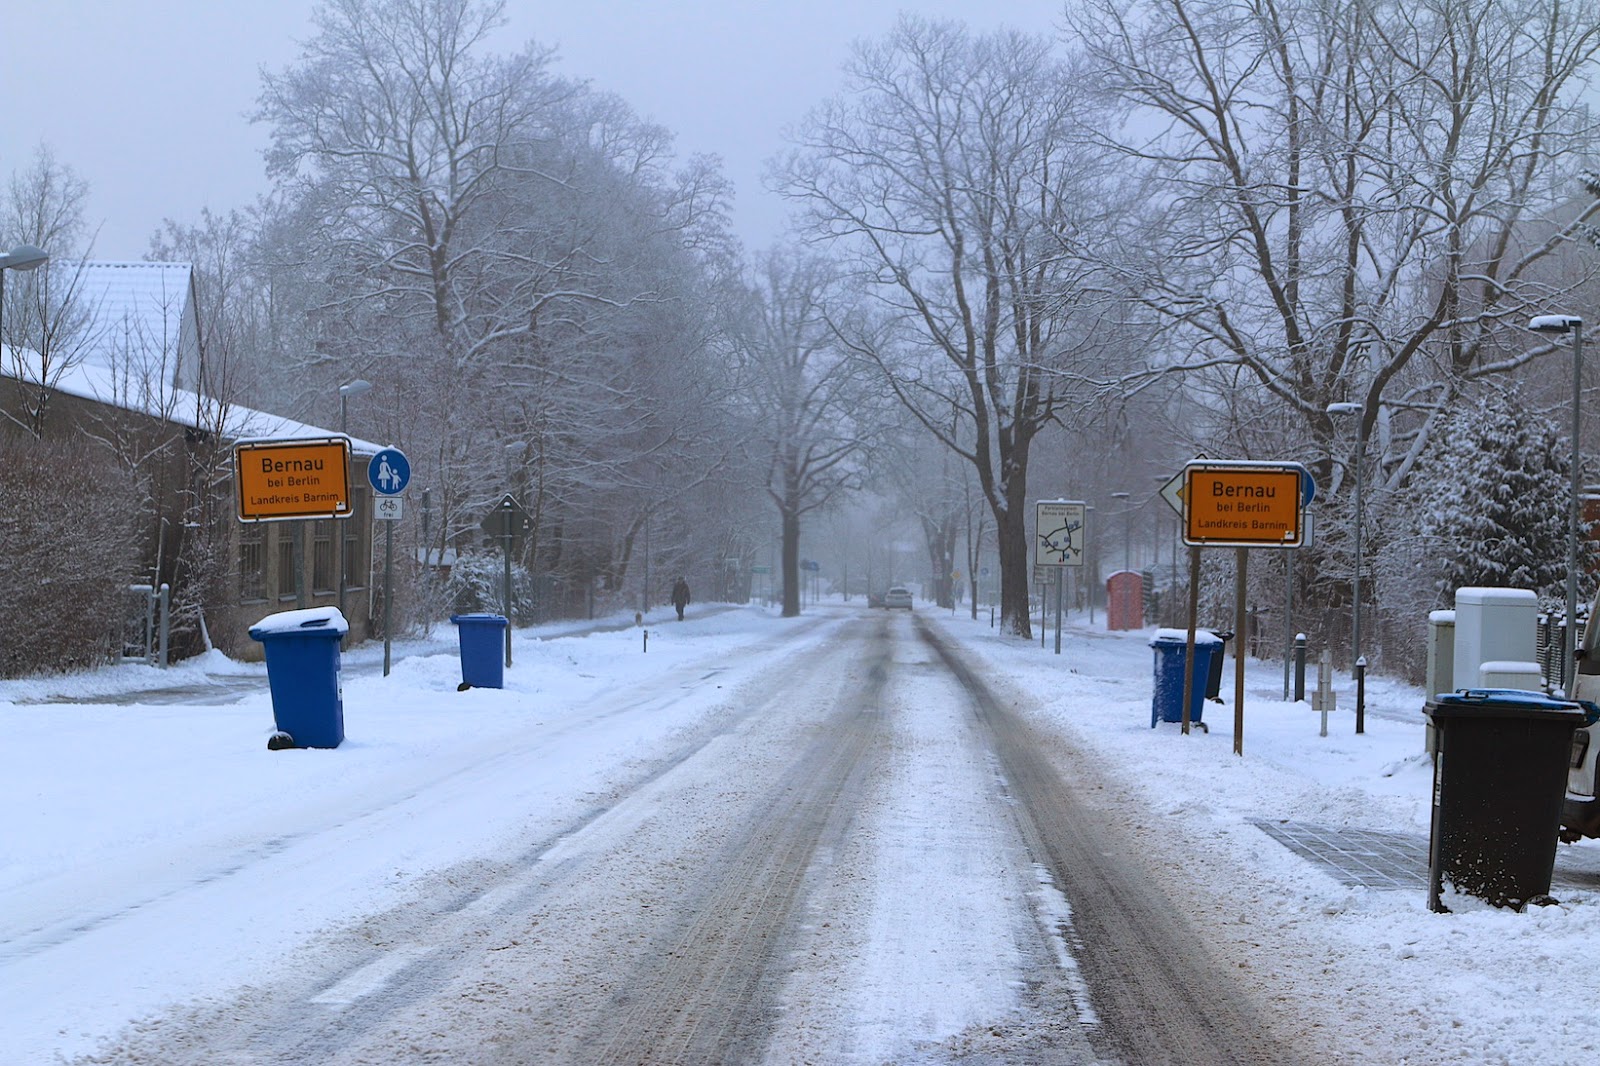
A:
x,y
1440,618
1478,594
1181,636
312,619
481,618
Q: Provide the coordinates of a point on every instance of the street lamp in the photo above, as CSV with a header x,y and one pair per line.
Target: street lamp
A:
x,y
1177,535
1093,557
22,257
1355,584
347,390
514,452
1126,527
1574,325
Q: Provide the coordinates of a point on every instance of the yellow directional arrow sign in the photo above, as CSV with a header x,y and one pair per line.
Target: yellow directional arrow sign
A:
x,y
1172,491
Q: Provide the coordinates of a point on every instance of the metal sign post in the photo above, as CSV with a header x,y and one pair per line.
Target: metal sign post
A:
x,y
1194,616
1059,583
1060,541
505,523
389,472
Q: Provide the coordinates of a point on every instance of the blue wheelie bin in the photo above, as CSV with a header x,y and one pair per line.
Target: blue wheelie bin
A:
x,y
1166,704
302,650
482,638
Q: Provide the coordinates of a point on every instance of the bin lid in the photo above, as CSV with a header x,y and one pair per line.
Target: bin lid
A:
x,y
482,618
1165,637
313,621
1500,703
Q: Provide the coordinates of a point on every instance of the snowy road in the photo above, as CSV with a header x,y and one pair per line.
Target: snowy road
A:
x,y
852,852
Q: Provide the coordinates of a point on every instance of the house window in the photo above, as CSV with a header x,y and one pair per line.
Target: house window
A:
x,y
322,555
286,536
252,564
355,564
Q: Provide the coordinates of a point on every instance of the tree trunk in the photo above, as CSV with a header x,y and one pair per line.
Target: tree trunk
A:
x,y
791,564
1011,534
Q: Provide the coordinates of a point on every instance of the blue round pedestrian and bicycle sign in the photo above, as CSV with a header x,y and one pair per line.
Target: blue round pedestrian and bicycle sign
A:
x,y
389,472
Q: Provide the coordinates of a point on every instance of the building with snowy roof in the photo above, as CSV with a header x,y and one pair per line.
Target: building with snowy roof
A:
x,y
178,443
141,320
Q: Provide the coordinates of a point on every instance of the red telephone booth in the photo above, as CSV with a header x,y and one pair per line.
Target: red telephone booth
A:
x,y
1125,600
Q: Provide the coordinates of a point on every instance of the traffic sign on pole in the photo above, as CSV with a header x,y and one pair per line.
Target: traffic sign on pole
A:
x,y
1059,535
389,472
1243,504
278,480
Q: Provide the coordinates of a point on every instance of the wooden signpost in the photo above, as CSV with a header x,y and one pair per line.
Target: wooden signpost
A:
x,y
1243,505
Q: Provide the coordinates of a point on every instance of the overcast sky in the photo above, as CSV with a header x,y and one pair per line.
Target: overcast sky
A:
x,y
148,101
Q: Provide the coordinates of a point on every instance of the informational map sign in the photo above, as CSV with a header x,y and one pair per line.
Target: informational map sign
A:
x,y
1059,535
280,480
1243,505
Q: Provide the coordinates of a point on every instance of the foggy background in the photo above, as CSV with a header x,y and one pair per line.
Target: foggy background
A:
x,y
148,102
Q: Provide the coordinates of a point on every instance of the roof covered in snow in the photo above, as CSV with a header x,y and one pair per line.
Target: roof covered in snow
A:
x,y
151,396
139,314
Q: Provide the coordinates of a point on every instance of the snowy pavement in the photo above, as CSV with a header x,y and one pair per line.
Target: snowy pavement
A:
x,y
115,811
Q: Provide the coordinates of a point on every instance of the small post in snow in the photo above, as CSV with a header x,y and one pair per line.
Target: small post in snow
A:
x,y
1059,569
1324,698
1361,694
1299,667
647,640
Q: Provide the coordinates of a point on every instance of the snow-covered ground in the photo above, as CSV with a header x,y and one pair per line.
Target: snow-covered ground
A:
x,y
112,808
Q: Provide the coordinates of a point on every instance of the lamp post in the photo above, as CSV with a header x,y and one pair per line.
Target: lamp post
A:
x,y
1092,559
1155,566
347,390
22,257
1574,325
1355,583
514,452
1126,526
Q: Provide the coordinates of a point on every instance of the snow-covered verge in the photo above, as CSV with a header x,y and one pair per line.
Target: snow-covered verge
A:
x,y
1363,975
158,852
110,806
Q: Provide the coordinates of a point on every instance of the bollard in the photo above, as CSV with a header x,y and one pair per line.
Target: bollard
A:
x,y
1361,694
647,640
1299,667
1323,699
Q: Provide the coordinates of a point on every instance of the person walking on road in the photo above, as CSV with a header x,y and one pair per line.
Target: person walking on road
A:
x,y
680,596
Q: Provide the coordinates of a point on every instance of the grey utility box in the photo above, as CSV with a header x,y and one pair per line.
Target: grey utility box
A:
x,y
1492,625
1441,665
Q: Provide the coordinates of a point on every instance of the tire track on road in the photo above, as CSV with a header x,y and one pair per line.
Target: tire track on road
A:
x,y
702,1001
1157,997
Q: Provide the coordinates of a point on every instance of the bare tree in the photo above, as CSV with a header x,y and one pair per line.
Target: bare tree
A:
x,y
798,388
508,255
44,327
952,174
1347,200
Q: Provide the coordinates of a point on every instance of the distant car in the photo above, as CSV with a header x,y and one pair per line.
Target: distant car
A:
x,y
899,596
